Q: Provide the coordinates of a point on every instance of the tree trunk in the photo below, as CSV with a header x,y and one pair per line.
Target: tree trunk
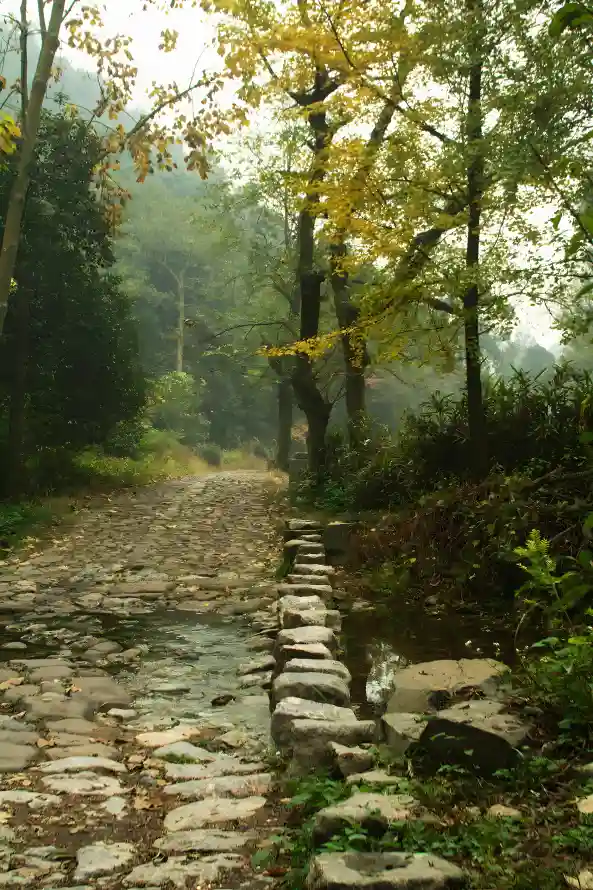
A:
x,y
17,410
180,323
18,193
471,298
353,349
284,423
309,398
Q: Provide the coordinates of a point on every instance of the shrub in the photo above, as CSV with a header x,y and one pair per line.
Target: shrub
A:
x,y
533,425
211,454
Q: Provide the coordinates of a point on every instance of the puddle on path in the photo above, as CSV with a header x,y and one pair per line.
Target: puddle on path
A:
x,y
377,643
187,662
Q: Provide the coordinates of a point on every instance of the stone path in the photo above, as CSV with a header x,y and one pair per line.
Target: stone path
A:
x,y
134,721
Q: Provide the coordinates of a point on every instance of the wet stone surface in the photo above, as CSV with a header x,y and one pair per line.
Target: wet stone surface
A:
x,y
131,751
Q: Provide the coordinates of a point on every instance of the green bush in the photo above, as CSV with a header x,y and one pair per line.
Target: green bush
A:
x,y
533,425
212,454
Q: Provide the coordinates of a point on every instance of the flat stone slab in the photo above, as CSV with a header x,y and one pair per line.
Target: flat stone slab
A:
x,y
295,617
86,784
299,589
306,567
166,736
205,840
79,726
312,686
32,799
177,870
303,650
377,777
289,710
301,525
178,752
430,685
82,764
222,766
314,580
102,859
102,691
372,812
16,757
212,811
299,635
383,871
319,666
301,602
221,786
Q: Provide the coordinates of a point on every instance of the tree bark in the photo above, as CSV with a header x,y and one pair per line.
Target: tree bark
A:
x,y
354,349
17,409
471,298
309,398
284,440
18,193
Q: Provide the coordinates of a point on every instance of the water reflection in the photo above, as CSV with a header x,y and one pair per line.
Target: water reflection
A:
x,y
379,643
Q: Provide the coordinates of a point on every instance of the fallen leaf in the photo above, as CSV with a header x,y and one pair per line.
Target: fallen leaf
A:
x,y
144,803
14,681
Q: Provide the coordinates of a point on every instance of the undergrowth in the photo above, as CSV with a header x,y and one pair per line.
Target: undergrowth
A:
x,y
547,840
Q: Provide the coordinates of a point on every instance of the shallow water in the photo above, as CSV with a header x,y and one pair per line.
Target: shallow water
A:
x,y
196,656
378,642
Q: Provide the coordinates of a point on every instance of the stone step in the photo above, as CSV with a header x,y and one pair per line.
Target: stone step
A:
x,y
304,589
371,812
213,811
324,666
205,840
221,786
313,686
311,740
292,709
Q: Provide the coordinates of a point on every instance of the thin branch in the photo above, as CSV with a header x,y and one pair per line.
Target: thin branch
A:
x,y
23,41
42,23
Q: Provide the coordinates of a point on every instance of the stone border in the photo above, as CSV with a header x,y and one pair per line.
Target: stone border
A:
x,y
310,687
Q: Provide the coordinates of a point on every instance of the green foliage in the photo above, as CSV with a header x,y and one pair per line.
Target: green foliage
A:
x,y
560,683
174,404
211,453
17,520
83,377
547,590
433,447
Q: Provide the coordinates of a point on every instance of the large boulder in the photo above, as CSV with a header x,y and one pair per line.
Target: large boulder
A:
x,y
383,871
474,735
402,730
431,685
313,686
